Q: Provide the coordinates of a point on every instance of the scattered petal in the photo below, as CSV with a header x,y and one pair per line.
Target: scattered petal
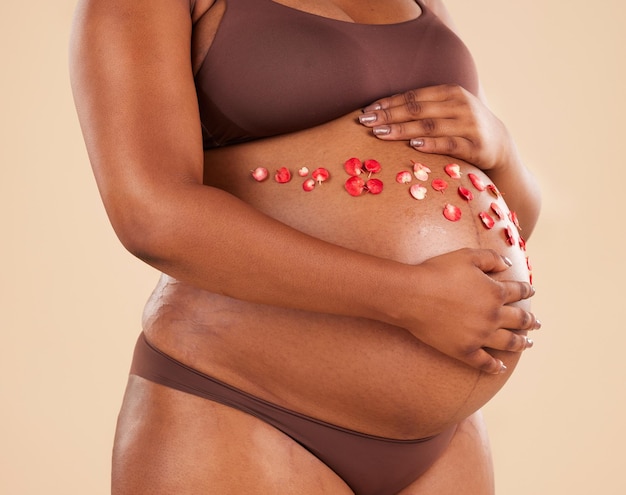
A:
x,y
453,170
374,186
418,191
260,174
372,166
508,236
465,193
495,207
477,182
522,243
283,175
493,190
514,219
303,172
308,185
439,185
420,171
320,174
487,219
355,186
353,166
451,212
403,177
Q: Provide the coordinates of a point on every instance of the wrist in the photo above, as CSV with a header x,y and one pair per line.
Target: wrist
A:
x,y
397,295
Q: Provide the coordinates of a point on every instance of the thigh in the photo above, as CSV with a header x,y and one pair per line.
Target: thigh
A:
x,y
171,442
465,468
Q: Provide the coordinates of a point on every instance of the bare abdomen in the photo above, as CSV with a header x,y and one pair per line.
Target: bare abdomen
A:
x,y
356,373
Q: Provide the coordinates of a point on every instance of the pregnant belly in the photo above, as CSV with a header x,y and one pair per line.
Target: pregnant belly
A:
x,y
357,373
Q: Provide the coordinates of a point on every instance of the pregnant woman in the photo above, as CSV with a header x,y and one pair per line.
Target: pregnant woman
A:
x,y
340,224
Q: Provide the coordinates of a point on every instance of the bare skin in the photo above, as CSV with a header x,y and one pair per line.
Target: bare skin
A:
x,y
379,302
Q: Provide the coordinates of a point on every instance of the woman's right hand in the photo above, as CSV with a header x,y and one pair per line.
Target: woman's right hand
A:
x,y
463,312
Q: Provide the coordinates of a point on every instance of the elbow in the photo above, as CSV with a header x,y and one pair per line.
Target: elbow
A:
x,y
142,232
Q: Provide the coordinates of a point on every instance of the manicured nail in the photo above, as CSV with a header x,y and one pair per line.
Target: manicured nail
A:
x,y
507,261
382,130
503,368
417,143
373,108
367,118
529,343
537,324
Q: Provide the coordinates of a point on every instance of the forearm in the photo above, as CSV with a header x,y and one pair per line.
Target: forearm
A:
x,y
214,241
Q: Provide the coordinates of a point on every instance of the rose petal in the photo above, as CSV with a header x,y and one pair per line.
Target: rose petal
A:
x,y
451,212
355,186
453,170
418,191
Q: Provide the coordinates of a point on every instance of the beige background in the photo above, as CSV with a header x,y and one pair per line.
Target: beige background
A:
x,y
71,297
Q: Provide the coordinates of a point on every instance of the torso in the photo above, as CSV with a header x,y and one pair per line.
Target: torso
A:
x,y
356,373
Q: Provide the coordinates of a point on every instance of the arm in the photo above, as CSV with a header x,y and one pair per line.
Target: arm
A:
x,y
449,120
134,91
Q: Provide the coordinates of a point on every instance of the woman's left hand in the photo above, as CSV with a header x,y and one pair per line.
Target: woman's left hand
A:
x,y
444,120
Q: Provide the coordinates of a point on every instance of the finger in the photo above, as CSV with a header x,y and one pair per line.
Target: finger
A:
x,y
483,361
506,340
430,93
489,261
516,291
452,145
515,318
409,111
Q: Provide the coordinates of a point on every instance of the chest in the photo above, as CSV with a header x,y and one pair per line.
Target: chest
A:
x,y
271,68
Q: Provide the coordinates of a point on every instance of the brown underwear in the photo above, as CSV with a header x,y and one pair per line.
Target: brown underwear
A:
x,y
369,465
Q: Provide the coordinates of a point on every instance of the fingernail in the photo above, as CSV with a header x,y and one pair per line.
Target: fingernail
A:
x,y
417,143
503,368
372,108
537,324
367,118
529,343
382,130
507,261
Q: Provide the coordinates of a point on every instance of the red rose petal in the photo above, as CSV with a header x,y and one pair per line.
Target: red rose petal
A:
x,y
487,220
283,175
453,170
308,185
420,171
374,186
439,185
320,174
465,193
372,166
418,191
403,177
508,236
451,212
260,174
497,210
514,219
355,186
353,166
493,190
477,182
